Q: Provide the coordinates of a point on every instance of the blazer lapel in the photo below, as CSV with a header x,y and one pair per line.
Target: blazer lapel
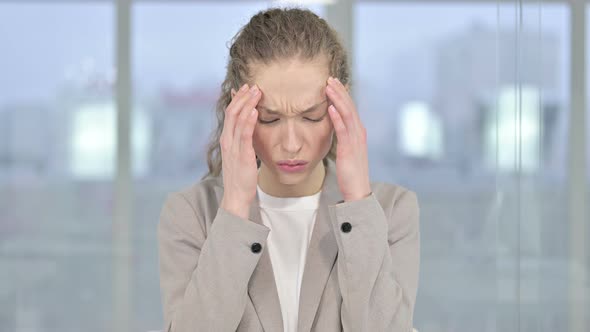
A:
x,y
320,259
262,287
321,253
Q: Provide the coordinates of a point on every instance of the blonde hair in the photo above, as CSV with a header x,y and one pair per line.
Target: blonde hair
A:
x,y
276,34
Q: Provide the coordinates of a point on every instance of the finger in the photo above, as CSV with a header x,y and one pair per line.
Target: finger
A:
x,y
248,130
360,130
231,111
244,113
343,109
338,123
229,116
341,90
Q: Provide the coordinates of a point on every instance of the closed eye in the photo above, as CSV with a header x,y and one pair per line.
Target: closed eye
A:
x,y
307,119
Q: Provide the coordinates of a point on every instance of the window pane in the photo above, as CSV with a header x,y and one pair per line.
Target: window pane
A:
x,y
56,154
471,113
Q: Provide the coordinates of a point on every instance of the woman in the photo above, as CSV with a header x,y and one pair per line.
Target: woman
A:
x,y
286,232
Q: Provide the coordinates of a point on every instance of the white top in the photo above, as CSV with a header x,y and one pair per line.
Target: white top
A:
x,y
291,221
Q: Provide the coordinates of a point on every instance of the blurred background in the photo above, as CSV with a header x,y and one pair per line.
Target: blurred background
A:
x,y
481,107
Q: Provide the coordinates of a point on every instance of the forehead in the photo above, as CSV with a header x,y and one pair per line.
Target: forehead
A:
x,y
291,84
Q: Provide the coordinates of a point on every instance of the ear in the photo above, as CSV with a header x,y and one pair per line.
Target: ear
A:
x,y
233,93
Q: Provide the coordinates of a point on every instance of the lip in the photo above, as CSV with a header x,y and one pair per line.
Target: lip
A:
x,y
292,165
291,162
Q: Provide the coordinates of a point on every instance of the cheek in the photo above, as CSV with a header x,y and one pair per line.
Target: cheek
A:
x,y
326,130
259,137
323,135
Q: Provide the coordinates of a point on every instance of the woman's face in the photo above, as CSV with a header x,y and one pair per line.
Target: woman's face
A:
x,y
282,131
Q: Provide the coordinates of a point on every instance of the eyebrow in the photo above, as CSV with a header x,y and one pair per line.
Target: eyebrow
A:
x,y
310,109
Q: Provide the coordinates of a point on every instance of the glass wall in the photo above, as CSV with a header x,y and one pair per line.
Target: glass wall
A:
x,y
471,104
57,153
468,104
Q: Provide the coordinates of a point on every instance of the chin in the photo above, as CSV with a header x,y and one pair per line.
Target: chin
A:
x,y
294,178
285,175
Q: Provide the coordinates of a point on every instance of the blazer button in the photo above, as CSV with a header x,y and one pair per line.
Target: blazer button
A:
x,y
346,227
256,247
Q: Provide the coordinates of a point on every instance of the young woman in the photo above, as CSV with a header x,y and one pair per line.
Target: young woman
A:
x,y
286,232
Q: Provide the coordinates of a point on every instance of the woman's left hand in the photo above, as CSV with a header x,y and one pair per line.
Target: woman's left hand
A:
x,y
352,164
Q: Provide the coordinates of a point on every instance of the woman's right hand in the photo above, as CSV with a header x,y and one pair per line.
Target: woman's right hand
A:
x,y
240,171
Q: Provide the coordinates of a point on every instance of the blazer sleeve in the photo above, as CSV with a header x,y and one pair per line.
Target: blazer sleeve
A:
x,y
204,278
378,262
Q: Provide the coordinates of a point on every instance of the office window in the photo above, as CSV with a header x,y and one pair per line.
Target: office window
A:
x,y
56,173
468,106
465,103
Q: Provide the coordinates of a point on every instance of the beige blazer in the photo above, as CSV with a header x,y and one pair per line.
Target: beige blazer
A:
x,y
361,270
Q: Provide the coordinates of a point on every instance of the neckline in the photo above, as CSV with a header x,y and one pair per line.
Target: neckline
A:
x,y
266,201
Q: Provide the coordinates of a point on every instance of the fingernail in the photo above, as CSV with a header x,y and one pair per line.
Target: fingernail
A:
x,y
330,79
244,87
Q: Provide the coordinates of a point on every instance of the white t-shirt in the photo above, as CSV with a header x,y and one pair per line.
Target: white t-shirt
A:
x,y
291,221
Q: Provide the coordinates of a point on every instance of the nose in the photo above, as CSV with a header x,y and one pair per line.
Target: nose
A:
x,y
290,138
